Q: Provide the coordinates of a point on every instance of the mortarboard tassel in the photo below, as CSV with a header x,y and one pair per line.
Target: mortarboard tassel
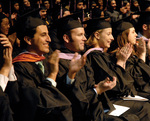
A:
x,y
69,4
74,5
10,7
61,11
82,14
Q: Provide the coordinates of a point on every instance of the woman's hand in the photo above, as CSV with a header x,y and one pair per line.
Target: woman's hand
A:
x,y
123,54
141,49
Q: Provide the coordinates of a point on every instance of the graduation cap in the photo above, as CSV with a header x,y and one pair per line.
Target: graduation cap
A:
x,y
32,22
96,24
68,23
27,21
123,25
65,20
21,19
32,13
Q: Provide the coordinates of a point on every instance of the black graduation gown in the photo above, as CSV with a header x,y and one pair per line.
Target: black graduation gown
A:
x,y
85,103
33,98
103,66
148,59
5,111
140,72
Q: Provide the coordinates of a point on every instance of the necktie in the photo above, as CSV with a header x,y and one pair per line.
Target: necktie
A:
x,y
40,65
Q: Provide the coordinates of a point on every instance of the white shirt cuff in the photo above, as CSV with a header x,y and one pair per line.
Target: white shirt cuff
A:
x,y
3,81
69,81
95,90
52,81
12,76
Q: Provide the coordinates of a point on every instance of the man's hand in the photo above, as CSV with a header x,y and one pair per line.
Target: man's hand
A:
x,y
76,65
105,85
54,64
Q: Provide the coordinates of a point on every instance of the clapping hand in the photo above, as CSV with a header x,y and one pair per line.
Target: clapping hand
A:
x,y
6,55
53,62
123,54
105,85
141,49
76,65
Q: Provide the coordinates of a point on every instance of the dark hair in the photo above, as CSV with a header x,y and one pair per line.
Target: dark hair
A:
x,y
2,16
28,32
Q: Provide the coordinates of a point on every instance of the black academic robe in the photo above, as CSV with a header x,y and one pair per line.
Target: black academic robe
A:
x,y
148,59
85,102
104,66
140,72
5,111
33,98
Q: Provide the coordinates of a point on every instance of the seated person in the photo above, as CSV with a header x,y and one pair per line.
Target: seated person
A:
x,y
6,73
135,64
34,96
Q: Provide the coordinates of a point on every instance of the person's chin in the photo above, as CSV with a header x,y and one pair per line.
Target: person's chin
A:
x,y
6,33
46,51
82,48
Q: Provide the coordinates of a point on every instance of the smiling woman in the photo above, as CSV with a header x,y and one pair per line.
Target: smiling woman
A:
x,y
4,24
107,66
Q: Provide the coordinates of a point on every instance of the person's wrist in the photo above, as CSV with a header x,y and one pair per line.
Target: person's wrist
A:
x,y
141,54
71,74
149,56
5,71
121,63
98,90
52,76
